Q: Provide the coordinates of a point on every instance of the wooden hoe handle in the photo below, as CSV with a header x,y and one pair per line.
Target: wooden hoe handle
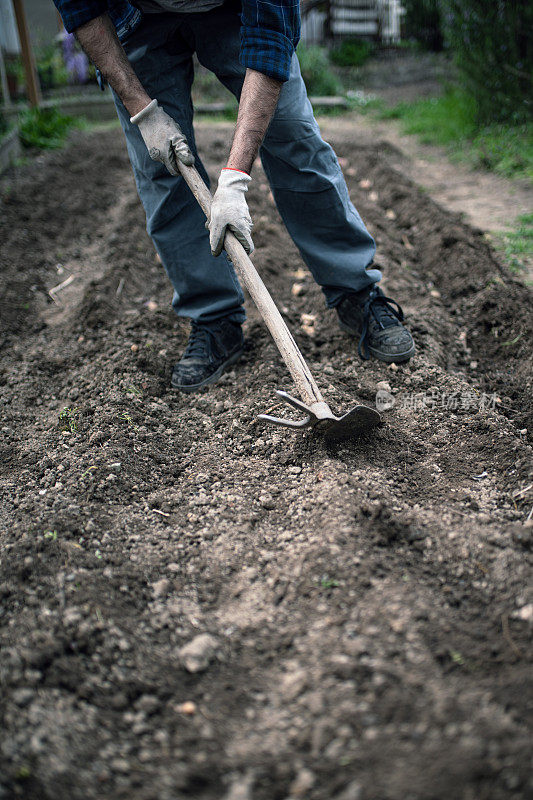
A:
x,y
275,323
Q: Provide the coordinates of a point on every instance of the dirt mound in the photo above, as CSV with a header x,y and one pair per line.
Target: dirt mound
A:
x,y
367,608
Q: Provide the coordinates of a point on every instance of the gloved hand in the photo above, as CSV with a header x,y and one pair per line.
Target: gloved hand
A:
x,y
163,137
229,210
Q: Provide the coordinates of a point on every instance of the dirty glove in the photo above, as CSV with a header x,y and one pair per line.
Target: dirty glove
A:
x,y
229,210
163,137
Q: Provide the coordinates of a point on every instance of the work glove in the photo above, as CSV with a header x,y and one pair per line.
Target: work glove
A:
x,y
163,137
229,210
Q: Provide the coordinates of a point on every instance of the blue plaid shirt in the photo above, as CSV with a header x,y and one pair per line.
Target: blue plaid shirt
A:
x,y
270,28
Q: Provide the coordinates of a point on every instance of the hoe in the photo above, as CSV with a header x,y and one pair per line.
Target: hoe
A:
x,y
318,415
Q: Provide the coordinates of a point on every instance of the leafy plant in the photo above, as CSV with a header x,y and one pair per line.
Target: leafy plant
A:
x,y
23,773
493,49
316,71
351,53
457,658
45,128
134,390
68,419
125,417
329,583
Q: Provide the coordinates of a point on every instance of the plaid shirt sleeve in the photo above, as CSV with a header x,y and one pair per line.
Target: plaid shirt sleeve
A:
x,y
77,12
270,32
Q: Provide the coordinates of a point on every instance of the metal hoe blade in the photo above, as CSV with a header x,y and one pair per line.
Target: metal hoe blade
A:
x,y
321,419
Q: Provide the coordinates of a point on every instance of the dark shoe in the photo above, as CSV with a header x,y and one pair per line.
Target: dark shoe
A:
x,y
377,320
212,348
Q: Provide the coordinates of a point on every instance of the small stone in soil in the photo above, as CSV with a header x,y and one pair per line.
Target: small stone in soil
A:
x,y
197,654
160,588
188,708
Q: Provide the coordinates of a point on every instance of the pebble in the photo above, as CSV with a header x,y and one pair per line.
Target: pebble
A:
x,y
120,765
354,791
119,701
197,654
188,708
525,613
304,781
240,789
297,289
147,703
23,697
160,588
71,616
267,502
293,684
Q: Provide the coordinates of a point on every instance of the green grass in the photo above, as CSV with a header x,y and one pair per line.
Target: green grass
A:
x,y
450,121
517,245
318,76
45,128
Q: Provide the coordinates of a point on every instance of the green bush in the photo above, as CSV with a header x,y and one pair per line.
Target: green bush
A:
x,y
44,127
493,48
351,53
316,71
437,120
451,121
422,22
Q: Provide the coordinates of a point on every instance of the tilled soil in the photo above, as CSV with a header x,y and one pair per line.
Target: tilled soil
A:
x,y
364,611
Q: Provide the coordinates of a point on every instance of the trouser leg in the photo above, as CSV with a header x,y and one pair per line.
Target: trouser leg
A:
x,y
205,288
303,171
312,197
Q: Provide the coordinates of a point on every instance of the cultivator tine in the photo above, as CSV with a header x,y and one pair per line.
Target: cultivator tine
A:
x,y
319,416
307,422
287,423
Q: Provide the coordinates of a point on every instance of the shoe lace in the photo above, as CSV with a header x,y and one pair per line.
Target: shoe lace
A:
x,y
383,311
198,345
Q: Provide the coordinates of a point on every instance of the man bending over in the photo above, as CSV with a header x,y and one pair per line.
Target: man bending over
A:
x,y
145,51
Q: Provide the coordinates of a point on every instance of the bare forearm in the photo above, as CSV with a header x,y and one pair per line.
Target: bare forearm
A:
x,y
259,98
99,40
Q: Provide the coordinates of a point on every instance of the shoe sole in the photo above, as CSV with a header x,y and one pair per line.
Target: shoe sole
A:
x,y
397,358
190,388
